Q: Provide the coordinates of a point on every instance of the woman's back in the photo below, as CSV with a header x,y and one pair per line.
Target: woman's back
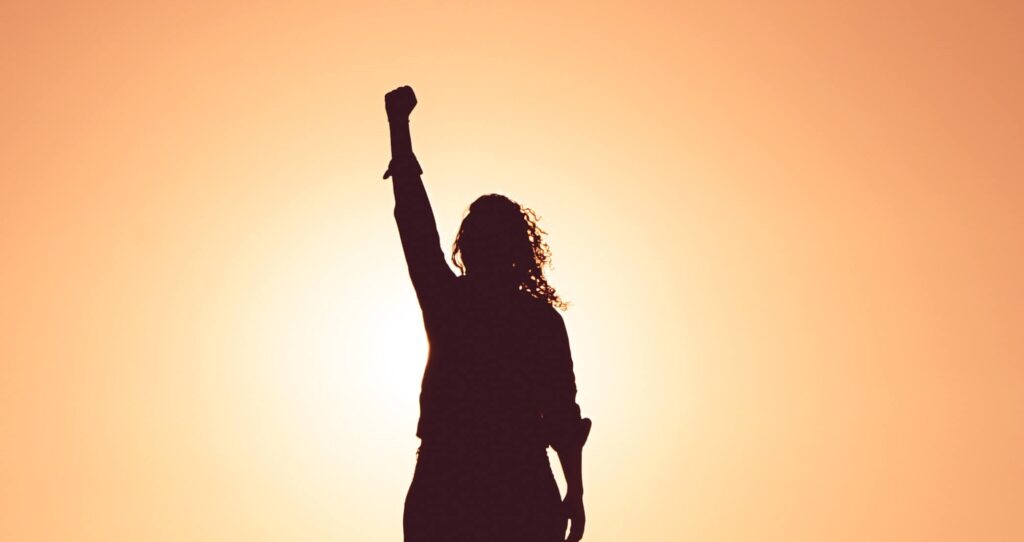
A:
x,y
491,368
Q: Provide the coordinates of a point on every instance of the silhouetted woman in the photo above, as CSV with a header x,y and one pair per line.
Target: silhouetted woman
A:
x,y
499,385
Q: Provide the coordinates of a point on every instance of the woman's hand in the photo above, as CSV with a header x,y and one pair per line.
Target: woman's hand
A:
x,y
399,103
573,505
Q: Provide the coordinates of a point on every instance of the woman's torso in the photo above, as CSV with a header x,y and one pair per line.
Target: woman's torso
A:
x,y
480,387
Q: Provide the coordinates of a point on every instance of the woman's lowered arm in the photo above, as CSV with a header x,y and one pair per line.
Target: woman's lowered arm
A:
x,y
413,214
568,431
570,455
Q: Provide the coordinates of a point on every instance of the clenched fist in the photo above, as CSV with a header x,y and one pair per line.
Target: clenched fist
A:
x,y
399,103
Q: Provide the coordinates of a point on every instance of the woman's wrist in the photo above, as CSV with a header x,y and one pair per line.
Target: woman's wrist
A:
x,y
401,139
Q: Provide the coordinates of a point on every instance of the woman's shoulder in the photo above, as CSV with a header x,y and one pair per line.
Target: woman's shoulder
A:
x,y
541,311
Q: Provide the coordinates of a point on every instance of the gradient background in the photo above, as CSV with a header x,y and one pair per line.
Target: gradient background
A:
x,y
791,234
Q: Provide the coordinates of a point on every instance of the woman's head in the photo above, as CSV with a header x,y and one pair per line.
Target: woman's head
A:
x,y
500,239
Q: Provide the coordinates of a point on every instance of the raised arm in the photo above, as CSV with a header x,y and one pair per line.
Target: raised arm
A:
x,y
428,270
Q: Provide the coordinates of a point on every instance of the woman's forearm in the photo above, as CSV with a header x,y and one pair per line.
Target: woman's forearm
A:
x,y
401,139
571,459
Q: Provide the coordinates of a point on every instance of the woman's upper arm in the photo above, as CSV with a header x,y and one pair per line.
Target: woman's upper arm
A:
x,y
421,244
562,419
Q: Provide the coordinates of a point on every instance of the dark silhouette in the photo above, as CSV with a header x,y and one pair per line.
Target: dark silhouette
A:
x,y
499,385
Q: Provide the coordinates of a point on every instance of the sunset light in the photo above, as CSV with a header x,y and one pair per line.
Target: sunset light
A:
x,y
790,235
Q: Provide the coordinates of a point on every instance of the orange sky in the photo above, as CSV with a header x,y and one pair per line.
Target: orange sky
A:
x,y
790,233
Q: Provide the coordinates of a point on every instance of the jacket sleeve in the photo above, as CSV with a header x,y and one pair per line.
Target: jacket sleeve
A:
x,y
421,244
563,426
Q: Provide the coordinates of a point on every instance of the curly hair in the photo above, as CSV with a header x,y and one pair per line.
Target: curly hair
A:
x,y
498,232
